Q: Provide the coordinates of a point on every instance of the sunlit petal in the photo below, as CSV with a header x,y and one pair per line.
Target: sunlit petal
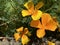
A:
x,y
40,33
25,39
37,15
25,13
17,36
51,43
19,29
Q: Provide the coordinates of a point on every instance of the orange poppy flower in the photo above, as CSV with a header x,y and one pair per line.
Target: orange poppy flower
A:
x,y
34,12
22,34
46,23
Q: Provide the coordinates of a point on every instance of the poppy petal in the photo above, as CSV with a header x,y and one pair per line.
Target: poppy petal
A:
x,y
37,15
51,25
17,36
26,30
51,43
29,5
39,5
40,33
45,18
25,39
25,13
35,23
19,29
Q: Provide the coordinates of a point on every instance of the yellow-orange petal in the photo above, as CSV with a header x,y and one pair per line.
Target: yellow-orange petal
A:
x,y
19,29
26,31
45,18
36,15
25,13
25,39
17,36
51,25
29,5
29,34
35,23
26,5
39,5
40,33
51,43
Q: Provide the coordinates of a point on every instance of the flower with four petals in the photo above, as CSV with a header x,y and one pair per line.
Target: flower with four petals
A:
x,y
33,11
46,23
22,34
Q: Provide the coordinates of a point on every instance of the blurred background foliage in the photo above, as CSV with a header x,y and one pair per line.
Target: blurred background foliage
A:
x,y
11,17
